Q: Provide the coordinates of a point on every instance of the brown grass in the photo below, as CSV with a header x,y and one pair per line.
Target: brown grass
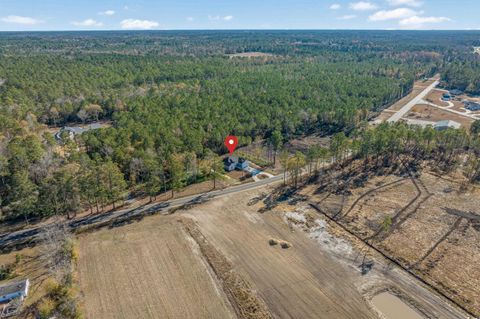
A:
x,y
425,237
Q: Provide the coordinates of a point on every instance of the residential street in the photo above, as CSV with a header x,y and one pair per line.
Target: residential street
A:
x,y
404,110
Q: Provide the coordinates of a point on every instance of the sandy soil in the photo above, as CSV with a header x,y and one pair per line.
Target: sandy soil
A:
x,y
425,236
299,282
148,270
435,97
430,113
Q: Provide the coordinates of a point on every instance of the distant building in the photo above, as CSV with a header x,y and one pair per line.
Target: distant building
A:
x,y
472,106
446,97
76,130
231,163
14,290
445,125
420,123
456,92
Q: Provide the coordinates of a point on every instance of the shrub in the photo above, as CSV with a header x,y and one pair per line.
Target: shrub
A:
x,y
46,308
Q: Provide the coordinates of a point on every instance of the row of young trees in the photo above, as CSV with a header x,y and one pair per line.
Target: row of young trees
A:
x,y
393,144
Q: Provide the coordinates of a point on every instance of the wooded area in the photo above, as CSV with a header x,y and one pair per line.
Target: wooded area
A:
x,y
172,97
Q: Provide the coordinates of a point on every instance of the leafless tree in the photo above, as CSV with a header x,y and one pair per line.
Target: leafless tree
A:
x,y
54,250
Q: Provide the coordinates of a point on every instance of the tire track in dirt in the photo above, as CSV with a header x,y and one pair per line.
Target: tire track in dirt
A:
x,y
397,220
376,189
438,243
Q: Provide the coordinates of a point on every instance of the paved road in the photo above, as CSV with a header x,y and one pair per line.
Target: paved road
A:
x,y
405,109
8,241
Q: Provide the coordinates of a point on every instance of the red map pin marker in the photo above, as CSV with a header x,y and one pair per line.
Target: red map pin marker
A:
x,y
231,143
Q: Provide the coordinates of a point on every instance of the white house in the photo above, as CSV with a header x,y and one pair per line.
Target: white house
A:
x,y
14,290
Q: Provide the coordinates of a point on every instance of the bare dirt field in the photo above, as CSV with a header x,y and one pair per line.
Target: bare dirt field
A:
x,y
433,114
299,282
152,268
434,228
192,264
435,97
147,270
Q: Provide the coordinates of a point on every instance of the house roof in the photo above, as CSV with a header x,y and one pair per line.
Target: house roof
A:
x,y
14,287
448,123
80,130
455,92
231,160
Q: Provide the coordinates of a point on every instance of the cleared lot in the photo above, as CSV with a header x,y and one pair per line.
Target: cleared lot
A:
x,y
434,114
147,270
299,282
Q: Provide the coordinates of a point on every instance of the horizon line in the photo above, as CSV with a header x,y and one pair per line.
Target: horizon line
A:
x,y
244,29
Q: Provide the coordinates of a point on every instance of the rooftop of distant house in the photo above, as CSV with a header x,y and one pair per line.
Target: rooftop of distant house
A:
x,y
14,287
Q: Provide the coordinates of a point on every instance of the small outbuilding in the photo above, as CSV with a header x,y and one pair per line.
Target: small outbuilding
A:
x,y
445,125
14,290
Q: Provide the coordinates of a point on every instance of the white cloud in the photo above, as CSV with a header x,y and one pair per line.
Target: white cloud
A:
x,y
107,13
21,20
190,19
87,23
347,17
362,6
335,6
417,22
400,13
410,3
138,24
217,18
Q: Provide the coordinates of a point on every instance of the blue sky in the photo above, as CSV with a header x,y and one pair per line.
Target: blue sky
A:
x,y
19,15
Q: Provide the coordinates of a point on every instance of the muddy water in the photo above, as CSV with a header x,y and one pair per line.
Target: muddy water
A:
x,y
393,307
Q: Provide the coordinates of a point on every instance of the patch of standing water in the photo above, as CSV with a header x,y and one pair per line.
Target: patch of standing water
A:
x,y
393,307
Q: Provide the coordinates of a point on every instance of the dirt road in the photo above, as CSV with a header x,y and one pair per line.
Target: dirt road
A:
x,y
405,109
9,241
